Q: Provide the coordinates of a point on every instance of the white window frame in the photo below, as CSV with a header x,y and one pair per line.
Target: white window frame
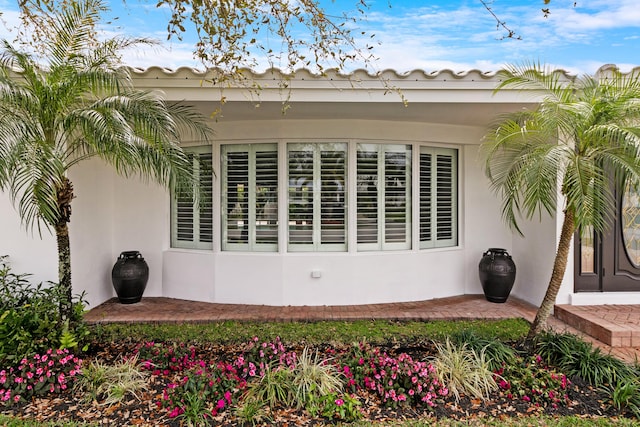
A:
x,y
316,244
443,209
381,243
195,242
252,244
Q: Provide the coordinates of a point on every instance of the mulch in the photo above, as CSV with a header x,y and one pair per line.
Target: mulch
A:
x,y
584,400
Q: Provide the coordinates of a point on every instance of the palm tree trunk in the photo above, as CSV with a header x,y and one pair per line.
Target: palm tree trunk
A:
x,y
65,195
559,267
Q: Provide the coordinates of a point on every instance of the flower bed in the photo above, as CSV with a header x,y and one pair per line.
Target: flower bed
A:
x,y
211,384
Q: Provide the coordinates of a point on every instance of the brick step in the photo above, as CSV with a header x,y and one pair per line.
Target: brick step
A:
x,y
590,320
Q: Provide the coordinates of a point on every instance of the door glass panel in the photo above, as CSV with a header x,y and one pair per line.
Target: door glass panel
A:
x,y
587,252
630,213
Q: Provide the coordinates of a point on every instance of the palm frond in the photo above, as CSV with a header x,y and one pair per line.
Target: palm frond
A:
x,y
80,103
584,136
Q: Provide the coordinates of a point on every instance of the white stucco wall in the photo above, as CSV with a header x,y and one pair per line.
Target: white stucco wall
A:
x,y
27,251
113,214
345,278
91,231
534,254
483,226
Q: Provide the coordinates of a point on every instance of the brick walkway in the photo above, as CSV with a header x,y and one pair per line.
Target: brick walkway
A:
x,y
161,310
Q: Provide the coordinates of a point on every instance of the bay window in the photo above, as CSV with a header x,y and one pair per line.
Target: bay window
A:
x,y
316,179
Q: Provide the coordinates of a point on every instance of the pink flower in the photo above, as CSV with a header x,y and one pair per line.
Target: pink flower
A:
x,y
175,412
220,404
339,402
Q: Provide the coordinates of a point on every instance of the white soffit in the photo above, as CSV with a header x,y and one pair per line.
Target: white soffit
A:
x,y
447,97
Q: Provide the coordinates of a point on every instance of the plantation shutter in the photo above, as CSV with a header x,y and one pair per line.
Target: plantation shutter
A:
x,y
250,197
192,220
333,211
383,196
438,197
367,196
317,191
266,197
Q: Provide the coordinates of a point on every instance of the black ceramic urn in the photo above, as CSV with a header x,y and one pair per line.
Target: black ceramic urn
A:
x,y
129,276
497,274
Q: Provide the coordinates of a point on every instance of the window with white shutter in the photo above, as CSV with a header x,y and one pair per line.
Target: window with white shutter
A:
x,y
250,197
383,196
438,197
317,197
191,217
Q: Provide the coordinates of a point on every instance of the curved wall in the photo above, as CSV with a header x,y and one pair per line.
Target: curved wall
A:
x,y
352,277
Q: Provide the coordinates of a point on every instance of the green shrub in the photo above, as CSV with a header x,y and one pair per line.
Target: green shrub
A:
x,y
463,371
576,357
30,319
314,378
204,391
111,383
39,375
626,396
529,379
339,407
496,352
274,388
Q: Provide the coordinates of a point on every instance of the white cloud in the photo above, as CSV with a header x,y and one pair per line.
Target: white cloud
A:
x,y
433,37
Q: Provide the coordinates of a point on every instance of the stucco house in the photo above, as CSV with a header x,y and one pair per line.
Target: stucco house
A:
x,y
350,196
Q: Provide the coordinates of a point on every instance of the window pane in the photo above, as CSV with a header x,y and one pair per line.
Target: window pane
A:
x,y
444,196
395,196
191,219
383,196
425,197
630,217
250,189
267,197
367,196
301,197
438,197
205,170
332,195
317,194
184,220
237,179
587,250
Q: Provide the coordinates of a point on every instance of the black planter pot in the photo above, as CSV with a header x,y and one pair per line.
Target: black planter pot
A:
x,y
129,276
497,274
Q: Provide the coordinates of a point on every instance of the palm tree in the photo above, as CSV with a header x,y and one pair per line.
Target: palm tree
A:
x,y
583,139
70,102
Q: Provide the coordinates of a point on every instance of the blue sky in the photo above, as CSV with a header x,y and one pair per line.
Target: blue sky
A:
x,y
435,35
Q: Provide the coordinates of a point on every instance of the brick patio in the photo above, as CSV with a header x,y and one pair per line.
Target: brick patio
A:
x,y
615,329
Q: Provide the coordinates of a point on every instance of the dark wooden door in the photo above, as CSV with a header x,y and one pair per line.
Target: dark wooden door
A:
x,y
611,262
